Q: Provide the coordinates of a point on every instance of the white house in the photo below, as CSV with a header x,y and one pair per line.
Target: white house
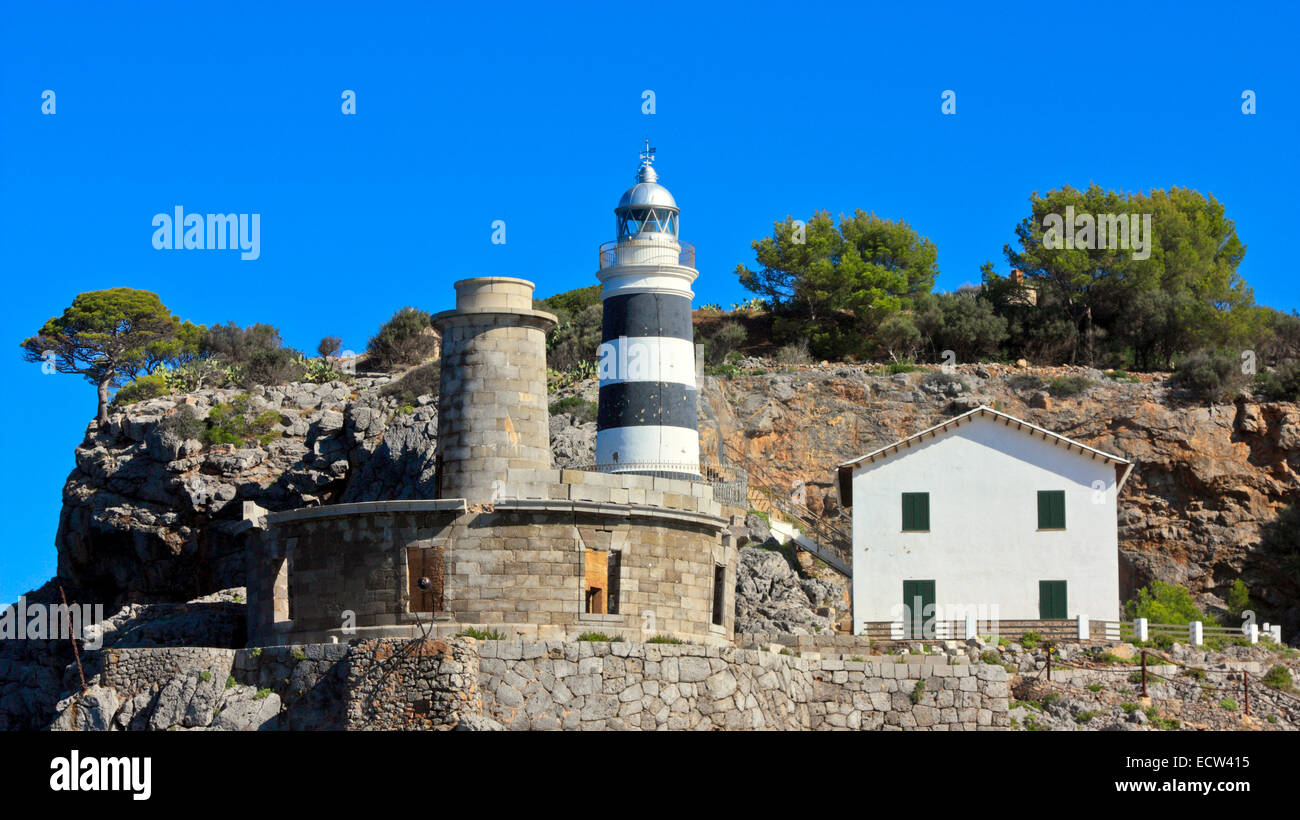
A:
x,y
984,514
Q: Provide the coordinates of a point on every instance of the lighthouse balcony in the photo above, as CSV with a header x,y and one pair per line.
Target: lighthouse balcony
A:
x,y
630,252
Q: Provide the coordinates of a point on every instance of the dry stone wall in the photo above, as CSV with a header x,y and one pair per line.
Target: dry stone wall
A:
x,y
460,683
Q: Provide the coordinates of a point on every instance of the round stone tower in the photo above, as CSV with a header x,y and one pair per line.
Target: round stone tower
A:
x,y
492,407
646,423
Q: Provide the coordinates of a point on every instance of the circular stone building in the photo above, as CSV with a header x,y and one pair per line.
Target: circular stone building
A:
x,y
508,544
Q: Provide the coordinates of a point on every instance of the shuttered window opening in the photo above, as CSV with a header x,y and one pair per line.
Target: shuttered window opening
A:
x,y
612,588
916,512
719,592
425,571
1051,509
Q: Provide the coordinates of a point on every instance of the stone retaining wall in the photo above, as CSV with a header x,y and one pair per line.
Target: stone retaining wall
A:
x,y
589,685
575,685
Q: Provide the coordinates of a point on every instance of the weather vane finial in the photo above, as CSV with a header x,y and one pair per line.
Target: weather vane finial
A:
x,y
648,155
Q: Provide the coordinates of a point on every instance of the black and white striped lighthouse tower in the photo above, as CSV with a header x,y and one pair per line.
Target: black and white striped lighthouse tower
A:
x,y
646,422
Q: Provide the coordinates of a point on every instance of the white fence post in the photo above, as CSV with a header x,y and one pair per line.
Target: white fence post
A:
x,y
1196,633
1254,633
1083,627
1140,629
1277,633
970,627
1266,630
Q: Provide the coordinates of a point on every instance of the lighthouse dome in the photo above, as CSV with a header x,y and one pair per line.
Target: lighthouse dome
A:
x,y
647,192
647,207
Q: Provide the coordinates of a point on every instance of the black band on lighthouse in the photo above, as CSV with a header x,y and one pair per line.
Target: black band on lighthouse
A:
x,y
666,315
638,404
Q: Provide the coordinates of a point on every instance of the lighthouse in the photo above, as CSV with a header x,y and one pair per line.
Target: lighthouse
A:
x,y
646,422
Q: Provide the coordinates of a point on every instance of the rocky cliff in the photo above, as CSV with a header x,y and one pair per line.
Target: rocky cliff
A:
x,y
150,518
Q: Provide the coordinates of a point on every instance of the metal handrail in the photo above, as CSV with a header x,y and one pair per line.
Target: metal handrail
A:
x,y
609,252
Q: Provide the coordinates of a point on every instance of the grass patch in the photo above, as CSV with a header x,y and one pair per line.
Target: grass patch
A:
x,y
484,634
598,637
579,408
664,639
1031,640
917,692
1279,677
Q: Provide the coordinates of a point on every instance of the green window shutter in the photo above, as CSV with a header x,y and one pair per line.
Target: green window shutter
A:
x,y
1051,509
1052,603
916,511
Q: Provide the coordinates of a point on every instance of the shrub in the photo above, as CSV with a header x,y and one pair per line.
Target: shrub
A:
x,y
1210,376
1063,386
235,345
1051,697
1162,603
1085,716
230,681
991,657
724,341
1238,599
420,381
579,408
727,371
794,354
144,387
1094,687
405,339
233,423
664,639
184,424
197,374
1280,384
1030,640
329,347
270,367
1279,677
902,367
1025,382
261,693
1229,704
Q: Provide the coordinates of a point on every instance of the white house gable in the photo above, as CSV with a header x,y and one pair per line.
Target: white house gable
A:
x,y
994,515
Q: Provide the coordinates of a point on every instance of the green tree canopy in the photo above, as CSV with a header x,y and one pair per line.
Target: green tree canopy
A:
x,y
834,285
112,336
1137,296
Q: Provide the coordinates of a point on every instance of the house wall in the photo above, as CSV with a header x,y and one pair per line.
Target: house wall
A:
x,y
984,548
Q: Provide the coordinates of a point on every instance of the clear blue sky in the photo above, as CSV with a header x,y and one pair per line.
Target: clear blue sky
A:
x,y
531,113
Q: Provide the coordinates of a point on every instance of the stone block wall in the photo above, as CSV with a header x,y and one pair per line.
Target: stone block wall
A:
x,y
591,686
517,567
533,685
411,684
493,411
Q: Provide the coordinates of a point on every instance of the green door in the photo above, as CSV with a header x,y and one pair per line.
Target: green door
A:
x,y
918,609
1051,600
